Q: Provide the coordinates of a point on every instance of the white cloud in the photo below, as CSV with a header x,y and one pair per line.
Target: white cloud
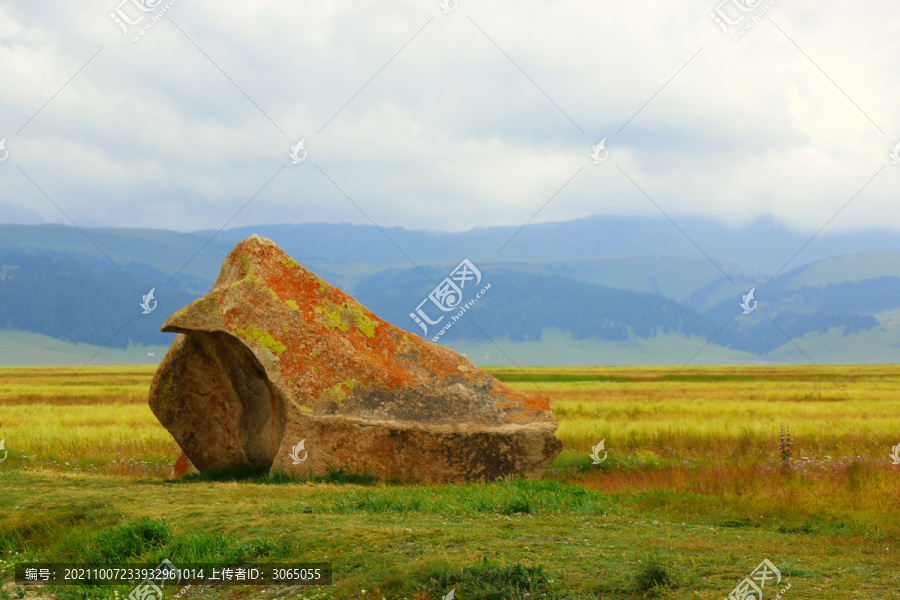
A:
x,y
450,134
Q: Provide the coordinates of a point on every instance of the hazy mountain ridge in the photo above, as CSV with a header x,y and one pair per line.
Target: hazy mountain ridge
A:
x,y
520,306
55,270
762,246
74,302
166,251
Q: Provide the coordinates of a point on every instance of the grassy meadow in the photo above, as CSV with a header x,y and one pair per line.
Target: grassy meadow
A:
x,y
694,493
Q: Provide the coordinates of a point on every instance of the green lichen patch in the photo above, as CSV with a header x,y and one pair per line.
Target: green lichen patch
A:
x,y
346,315
405,345
339,391
205,304
292,304
251,274
307,410
290,263
208,304
262,338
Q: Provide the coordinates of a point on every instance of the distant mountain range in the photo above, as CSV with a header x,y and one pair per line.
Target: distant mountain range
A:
x,y
82,303
762,247
521,306
601,282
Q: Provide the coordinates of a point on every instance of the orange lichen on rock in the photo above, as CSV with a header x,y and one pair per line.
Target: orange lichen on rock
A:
x,y
183,467
273,355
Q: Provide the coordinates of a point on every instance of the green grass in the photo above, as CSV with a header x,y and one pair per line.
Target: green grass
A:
x,y
690,499
655,575
421,542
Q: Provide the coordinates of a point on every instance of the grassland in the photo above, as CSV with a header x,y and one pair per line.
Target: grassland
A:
x,y
693,495
26,348
556,348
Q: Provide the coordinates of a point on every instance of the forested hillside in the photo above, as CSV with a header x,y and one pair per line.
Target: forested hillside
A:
x,y
75,302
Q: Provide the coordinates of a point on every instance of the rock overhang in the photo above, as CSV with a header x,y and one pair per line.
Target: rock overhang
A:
x,y
273,355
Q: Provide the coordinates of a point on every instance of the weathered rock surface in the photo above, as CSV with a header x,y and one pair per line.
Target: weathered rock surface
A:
x,y
183,466
274,356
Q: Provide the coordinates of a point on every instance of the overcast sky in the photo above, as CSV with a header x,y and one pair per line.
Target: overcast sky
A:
x,y
436,120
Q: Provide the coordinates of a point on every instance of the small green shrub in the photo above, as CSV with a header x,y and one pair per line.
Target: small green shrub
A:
x,y
654,574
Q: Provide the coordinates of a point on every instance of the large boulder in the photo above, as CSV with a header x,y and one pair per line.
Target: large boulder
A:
x,y
276,369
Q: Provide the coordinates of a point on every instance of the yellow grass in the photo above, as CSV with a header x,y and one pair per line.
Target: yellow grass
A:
x,y
98,417
693,465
